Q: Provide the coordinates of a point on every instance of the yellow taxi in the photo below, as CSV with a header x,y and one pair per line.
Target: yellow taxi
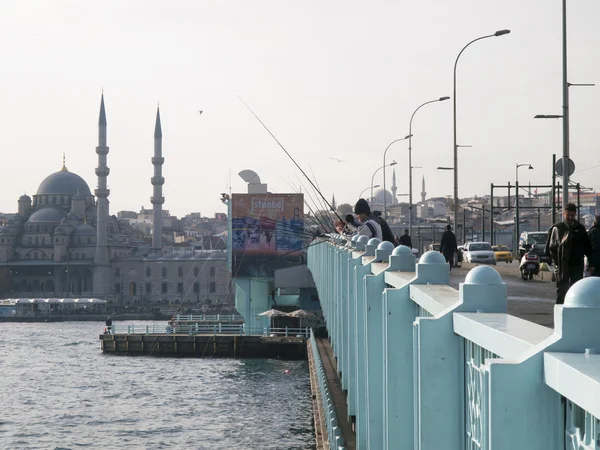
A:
x,y
502,253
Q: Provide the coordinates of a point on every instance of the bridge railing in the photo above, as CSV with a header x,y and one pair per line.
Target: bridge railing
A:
x,y
192,329
427,366
334,432
287,332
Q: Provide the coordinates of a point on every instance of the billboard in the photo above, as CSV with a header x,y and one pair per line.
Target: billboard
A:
x,y
267,232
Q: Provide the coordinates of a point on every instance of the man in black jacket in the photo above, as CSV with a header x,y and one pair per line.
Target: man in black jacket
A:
x,y
568,243
405,239
594,235
448,245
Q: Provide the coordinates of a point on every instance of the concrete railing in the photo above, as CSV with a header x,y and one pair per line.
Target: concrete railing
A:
x,y
334,432
429,367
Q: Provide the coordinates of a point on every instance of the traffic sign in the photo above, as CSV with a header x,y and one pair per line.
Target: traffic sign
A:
x,y
559,167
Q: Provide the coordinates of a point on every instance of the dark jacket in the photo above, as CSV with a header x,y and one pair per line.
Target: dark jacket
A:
x,y
448,244
405,240
386,231
568,244
594,235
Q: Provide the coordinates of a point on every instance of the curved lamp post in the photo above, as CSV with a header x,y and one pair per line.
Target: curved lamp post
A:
x,y
455,149
393,163
384,153
410,167
366,189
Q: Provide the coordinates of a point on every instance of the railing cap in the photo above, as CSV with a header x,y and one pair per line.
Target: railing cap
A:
x,y
483,275
374,241
385,245
363,239
401,250
584,294
432,257
355,238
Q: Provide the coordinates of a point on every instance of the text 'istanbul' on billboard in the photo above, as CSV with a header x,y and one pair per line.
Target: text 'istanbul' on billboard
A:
x,y
267,224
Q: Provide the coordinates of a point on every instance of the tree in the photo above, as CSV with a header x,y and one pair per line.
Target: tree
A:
x,y
344,208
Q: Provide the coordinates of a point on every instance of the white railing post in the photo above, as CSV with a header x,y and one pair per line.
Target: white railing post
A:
x,y
286,331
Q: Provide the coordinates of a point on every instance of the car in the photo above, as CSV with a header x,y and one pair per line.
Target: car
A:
x,y
479,253
502,253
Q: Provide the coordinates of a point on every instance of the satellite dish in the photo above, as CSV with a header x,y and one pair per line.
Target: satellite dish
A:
x,y
249,176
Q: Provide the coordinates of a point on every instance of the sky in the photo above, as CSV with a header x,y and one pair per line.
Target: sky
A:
x,y
334,79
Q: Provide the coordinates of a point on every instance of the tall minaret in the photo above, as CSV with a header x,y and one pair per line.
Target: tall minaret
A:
x,y
333,205
157,183
102,283
423,192
394,188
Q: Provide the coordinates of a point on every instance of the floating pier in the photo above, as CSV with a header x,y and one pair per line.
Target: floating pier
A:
x,y
205,345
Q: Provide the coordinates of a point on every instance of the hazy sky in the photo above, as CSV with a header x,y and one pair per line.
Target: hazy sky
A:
x,y
330,78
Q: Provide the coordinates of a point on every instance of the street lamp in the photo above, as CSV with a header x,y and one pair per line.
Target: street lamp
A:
x,y
393,163
363,191
410,168
517,234
384,153
455,149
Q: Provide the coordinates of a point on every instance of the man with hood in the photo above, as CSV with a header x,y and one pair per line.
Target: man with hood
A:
x,y
568,243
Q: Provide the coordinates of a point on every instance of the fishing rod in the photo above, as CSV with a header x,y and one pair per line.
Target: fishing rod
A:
x,y
290,156
293,251
325,218
314,219
319,187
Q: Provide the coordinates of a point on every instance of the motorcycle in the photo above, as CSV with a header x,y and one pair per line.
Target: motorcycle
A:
x,y
530,264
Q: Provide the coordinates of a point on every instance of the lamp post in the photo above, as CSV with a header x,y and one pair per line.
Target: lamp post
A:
x,y
384,153
517,219
455,149
366,189
410,168
393,163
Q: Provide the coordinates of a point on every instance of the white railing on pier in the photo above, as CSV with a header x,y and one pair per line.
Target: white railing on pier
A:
x,y
287,332
217,328
427,366
208,318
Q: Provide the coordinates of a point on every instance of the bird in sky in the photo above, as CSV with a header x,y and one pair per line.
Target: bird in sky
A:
x,y
339,160
200,112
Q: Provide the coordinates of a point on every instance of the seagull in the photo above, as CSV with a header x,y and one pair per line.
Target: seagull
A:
x,y
339,160
200,112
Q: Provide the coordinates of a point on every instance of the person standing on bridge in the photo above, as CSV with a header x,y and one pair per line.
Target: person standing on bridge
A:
x,y
568,243
405,239
448,245
594,234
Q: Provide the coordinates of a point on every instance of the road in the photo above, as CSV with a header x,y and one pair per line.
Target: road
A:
x,y
530,300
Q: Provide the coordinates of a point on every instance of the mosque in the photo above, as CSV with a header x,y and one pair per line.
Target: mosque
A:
x,y
63,243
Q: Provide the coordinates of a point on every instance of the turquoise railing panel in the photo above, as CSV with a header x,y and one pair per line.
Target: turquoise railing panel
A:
x,y
450,369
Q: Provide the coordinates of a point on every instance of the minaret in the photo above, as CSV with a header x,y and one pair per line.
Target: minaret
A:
x,y
423,192
394,188
102,273
157,183
333,205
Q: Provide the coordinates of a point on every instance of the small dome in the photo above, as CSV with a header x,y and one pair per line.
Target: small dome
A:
x,y
584,294
51,215
402,250
152,256
483,275
63,182
85,229
25,198
363,239
432,257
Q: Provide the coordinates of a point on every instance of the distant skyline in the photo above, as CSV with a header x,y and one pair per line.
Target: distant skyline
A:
x,y
332,80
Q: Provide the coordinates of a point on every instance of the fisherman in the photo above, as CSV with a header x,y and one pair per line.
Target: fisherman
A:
x,y
108,325
372,226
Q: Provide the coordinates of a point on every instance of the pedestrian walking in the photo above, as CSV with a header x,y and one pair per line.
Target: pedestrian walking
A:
x,y
448,245
108,324
405,239
568,244
594,234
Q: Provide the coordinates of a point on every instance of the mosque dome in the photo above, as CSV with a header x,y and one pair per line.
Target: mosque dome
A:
x,y
63,182
52,215
85,229
25,198
381,194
